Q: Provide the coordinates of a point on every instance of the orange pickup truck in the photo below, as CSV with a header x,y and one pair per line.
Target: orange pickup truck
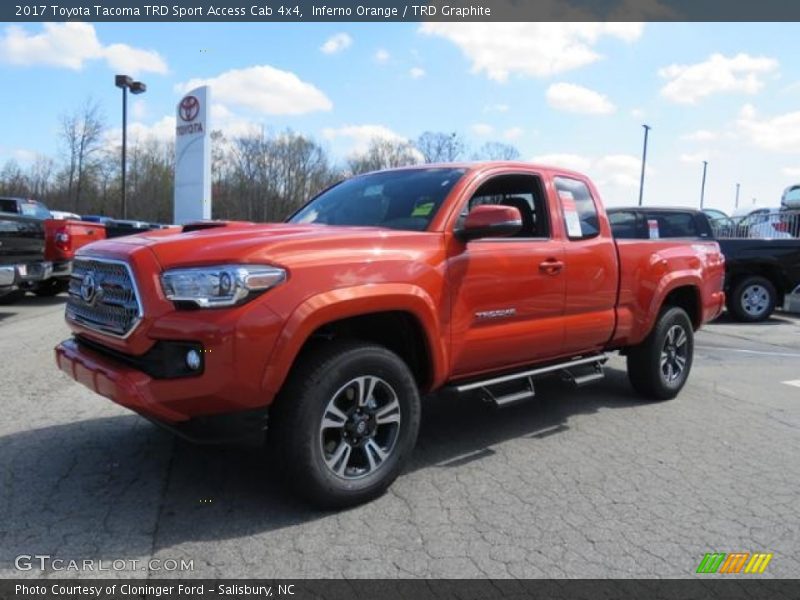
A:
x,y
476,278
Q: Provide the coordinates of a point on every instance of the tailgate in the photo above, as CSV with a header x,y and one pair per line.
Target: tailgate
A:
x,y
21,239
64,237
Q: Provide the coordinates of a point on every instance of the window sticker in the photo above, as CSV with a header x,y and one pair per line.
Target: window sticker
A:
x,y
652,228
422,210
571,218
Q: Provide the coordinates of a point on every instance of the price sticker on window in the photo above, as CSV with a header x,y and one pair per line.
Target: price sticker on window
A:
x,y
652,228
571,217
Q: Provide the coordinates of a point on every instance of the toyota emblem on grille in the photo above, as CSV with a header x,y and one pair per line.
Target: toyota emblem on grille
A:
x,y
88,289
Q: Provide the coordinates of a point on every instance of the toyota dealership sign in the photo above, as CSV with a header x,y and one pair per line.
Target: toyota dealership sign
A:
x,y
192,157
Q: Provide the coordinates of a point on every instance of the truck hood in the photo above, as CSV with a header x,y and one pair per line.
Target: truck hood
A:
x,y
274,243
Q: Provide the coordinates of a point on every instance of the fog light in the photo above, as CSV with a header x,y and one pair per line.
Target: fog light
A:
x,y
193,360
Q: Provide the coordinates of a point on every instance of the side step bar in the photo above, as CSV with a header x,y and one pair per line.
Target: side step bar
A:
x,y
504,397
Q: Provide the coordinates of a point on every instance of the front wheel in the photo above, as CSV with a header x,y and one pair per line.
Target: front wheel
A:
x,y
345,423
659,367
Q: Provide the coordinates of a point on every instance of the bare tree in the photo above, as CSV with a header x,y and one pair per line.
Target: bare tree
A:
x,y
40,176
82,136
12,180
497,151
440,147
384,154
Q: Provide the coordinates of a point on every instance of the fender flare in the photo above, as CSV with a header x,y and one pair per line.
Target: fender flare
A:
x,y
668,284
342,303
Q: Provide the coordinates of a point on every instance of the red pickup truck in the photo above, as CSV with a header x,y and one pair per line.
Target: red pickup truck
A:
x,y
383,288
62,237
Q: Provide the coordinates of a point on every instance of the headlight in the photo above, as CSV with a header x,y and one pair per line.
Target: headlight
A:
x,y
223,285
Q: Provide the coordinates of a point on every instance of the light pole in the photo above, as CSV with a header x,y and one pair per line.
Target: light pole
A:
x,y
126,83
703,184
737,196
644,162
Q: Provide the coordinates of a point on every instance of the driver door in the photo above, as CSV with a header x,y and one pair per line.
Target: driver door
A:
x,y
508,294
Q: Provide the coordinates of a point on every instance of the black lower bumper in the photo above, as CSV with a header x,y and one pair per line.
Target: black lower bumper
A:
x,y
249,425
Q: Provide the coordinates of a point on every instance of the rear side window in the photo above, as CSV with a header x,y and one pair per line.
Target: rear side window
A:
x,y
624,225
578,208
675,225
8,206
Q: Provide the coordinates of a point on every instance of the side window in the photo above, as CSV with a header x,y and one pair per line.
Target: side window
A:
x,y
675,225
624,225
8,206
523,192
577,205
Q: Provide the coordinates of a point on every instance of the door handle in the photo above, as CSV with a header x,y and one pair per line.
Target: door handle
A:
x,y
551,266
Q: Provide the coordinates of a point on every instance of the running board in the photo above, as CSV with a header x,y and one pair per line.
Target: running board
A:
x,y
598,359
496,389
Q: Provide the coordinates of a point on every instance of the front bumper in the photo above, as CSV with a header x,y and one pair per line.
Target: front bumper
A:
x,y
126,386
148,396
8,275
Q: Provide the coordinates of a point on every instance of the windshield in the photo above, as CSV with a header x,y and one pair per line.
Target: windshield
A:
x,y
405,199
34,209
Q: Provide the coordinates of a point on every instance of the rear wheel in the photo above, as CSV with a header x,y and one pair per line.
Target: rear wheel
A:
x,y
659,367
345,423
752,299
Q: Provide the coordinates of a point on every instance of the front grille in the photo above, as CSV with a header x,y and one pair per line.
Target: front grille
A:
x,y
103,296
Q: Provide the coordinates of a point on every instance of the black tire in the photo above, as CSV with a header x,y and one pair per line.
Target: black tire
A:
x,y
672,339
325,380
11,297
50,288
752,299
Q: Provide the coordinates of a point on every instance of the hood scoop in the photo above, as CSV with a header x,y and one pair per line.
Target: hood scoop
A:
x,y
201,225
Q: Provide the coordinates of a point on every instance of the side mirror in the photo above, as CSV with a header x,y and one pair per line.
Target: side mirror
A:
x,y
491,220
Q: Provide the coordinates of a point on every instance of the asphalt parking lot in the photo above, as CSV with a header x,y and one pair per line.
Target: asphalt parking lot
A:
x,y
575,483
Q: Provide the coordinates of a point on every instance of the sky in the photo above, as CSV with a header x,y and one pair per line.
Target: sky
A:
x,y
570,94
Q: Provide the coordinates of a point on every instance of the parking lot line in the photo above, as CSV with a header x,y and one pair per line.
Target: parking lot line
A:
x,y
744,351
794,382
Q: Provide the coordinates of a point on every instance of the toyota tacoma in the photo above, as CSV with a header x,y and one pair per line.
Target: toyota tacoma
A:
x,y
327,329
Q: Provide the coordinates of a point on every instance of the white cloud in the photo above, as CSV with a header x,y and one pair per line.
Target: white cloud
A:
x,y
336,43
264,89
501,108
417,72
575,162
619,170
382,56
791,171
694,157
482,129
139,109
127,59
718,74
70,45
578,99
513,133
638,113
701,135
615,174
530,49
778,134
360,136
162,130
